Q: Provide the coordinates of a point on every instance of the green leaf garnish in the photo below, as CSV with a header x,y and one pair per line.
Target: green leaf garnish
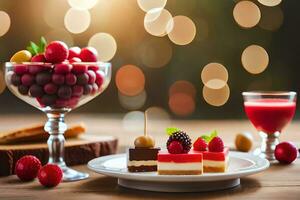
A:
x,y
172,130
43,43
209,137
35,49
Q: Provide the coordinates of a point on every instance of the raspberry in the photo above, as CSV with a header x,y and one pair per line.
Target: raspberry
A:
x,y
216,145
175,147
200,145
50,175
182,138
27,168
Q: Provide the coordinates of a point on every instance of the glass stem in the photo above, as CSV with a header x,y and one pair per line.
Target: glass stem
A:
x,y
269,142
56,128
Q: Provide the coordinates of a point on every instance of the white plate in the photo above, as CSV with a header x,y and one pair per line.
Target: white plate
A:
x,y
240,165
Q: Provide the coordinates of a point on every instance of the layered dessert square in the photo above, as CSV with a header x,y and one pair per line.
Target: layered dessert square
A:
x,y
180,164
215,161
142,159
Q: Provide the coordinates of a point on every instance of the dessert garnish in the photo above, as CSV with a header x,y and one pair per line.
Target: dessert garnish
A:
x,y
200,144
143,157
178,142
144,141
286,152
178,160
50,175
215,157
244,141
27,168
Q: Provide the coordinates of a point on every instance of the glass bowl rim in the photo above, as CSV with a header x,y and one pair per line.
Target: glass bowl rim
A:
x,y
85,63
269,93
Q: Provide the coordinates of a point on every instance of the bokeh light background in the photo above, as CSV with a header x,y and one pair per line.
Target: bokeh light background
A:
x,y
179,59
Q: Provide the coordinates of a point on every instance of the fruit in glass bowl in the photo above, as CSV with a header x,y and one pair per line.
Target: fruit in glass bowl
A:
x,y
57,86
52,79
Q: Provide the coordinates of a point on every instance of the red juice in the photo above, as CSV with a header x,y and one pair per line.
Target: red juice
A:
x,y
270,115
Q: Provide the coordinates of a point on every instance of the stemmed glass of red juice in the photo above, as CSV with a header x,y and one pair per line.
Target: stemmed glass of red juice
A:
x,y
269,112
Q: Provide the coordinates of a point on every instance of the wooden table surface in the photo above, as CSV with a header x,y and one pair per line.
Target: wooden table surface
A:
x,y
278,182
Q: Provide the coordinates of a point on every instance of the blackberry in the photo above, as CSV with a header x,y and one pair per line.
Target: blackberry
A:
x,y
183,138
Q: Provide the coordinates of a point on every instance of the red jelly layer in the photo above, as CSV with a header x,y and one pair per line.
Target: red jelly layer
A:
x,y
179,158
216,156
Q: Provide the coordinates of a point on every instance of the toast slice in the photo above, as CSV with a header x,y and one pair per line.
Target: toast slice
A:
x,y
36,133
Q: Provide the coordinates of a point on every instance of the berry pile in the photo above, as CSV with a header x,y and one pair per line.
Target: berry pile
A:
x,y
58,78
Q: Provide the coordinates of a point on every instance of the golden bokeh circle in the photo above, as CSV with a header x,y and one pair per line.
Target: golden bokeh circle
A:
x,y
147,5
4,23
246,14
182,104
77,21
214,75
181,30
53,15
271,18
82,4
156,52
216,97
156,21
133,122
270,3
105,44
183,86
255,59
61,35
132,102
130,80
158,119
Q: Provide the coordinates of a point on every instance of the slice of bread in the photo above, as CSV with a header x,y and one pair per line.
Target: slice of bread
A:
x,y
36,133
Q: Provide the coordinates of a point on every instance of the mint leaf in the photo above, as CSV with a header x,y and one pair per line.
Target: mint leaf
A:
x,y
42,45
210,136
206,138
29,48
170,131
34,47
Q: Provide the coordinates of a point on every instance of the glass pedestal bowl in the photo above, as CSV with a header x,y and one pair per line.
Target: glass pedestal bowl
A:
x,y
56,89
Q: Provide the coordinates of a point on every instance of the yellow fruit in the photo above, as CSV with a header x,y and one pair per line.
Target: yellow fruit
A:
x,y
21,56
144,142
244,142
